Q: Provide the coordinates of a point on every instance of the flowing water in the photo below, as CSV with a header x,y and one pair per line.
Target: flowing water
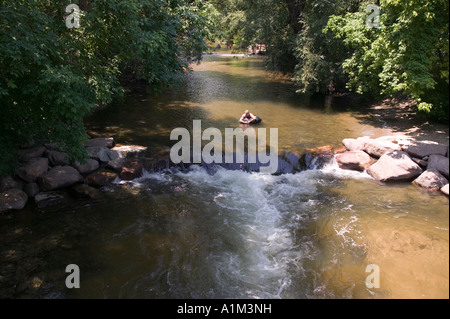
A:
x,y
233,234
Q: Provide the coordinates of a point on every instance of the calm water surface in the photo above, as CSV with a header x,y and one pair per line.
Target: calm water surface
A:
x,y
234,234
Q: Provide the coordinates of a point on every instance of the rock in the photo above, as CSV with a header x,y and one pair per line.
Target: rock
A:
x,y
58,158
9,182
422,149
439,163
445,189
86,191
396,166
355,144
34,168
431,179
131,170
59,177
422,163
32,189
100,142
378,148
90,166
116,164
356,160
311,161
30,153
46,199
401,140
129,151
102,154
328,149
158,165
101,178
340,150
13,199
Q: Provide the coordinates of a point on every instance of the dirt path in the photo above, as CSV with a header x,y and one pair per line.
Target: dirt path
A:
x,y
402,118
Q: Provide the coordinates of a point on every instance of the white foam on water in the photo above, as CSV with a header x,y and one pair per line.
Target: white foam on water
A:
x,y
260,211
256,217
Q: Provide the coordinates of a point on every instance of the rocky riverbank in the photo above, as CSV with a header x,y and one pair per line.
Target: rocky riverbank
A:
x,y
45,171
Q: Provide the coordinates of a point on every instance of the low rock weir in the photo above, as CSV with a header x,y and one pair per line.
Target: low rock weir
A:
x,y
45,170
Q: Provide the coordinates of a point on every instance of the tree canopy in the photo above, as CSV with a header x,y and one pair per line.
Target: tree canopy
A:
x,y
52,75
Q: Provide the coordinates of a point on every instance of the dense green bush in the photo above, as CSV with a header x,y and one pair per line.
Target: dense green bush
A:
x,y
408,53
52,76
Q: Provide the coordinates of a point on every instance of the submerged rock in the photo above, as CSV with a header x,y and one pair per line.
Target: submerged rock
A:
x,y
395,167
101,178
12,199
86,191
47,199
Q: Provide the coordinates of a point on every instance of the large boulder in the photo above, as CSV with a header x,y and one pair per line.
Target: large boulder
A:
x,y
12,199
102,154
117,164
101,178
57,158
401,140
354,145
27,154
33,169
356,161
86,191
431,179
107,142
378,148
422,149
395,166
59,177
9,182
88,167
439,163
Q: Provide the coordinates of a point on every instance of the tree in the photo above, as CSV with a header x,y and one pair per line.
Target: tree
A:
x,y
52,76
320,55
408,53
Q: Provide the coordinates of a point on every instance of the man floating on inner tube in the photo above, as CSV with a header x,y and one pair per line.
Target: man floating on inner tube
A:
x,y
249,118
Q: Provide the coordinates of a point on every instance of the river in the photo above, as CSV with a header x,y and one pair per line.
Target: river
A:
x,y
233,234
